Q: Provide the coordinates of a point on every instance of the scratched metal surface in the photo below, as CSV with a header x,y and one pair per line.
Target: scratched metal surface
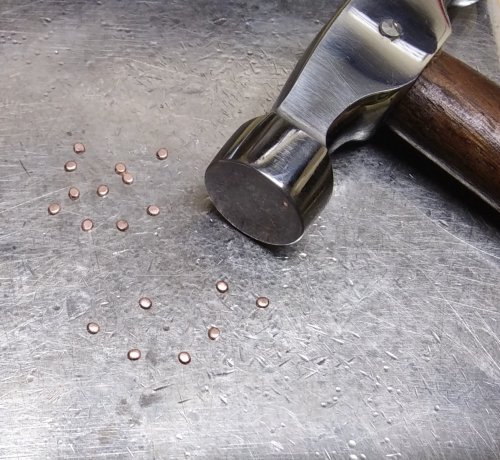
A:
x,y
383,327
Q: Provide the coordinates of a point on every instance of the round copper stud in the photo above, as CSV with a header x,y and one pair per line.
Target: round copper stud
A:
x,y
122,225
74,193
70,166
87,225
153,210
222,286
262,302
93,328
120,168
134,354
145,303
79,148
127,178
162,154
184,357
54,208
102,190
213,333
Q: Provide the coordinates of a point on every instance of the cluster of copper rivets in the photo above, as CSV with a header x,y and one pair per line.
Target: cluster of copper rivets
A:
x,y
103,190
183,357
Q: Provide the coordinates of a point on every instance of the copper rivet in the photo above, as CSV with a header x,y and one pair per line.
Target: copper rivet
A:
x,y
74,193
213,333
262,302
184,357
145,303
102,190
87,225
134,354
127,178
120,168
79,148
162,154
54,209
70,166
153,210
222,286
93,328
122,225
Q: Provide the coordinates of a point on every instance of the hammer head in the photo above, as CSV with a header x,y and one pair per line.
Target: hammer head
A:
x,y
274,175
270,180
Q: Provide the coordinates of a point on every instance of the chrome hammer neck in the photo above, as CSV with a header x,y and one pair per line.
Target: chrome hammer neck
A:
x,y
359,64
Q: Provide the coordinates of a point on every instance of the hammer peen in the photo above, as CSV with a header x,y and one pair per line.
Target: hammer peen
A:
x,y
374,62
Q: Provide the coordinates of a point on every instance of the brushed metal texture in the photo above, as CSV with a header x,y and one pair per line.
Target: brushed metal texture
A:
x,y
382,334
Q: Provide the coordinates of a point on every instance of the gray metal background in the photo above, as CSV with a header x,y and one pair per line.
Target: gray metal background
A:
x,y
383,325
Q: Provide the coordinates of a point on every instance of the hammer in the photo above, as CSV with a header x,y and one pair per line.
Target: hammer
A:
x,y
374,62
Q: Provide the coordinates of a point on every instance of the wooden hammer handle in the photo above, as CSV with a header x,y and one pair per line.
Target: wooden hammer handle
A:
x,y
452,114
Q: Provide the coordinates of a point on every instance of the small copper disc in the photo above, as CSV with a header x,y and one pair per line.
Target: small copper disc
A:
x,y
122,225
145,303
79,148
54,209
222,286
70,166
74,193
262,302
127,178
184,357
134,354
213,333
120,168
87,225
162,154
153,210
102,190
93,328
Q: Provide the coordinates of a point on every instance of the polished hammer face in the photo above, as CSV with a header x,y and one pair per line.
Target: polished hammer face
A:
x,y
270,180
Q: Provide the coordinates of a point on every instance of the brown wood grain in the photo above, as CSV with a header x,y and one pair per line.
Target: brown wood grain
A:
x,y
452,114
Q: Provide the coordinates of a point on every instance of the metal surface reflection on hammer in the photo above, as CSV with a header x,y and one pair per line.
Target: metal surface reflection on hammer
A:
x,y
374,62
